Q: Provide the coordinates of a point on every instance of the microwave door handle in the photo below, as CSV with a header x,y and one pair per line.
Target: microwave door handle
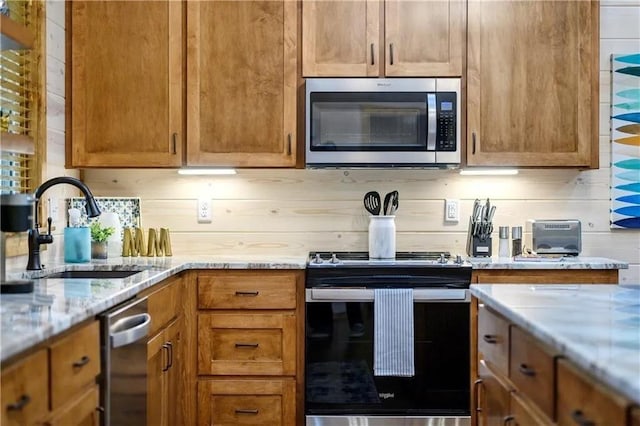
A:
x,y
432,121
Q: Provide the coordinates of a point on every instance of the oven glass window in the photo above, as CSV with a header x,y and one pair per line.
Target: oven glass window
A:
x,y
339,362
368,121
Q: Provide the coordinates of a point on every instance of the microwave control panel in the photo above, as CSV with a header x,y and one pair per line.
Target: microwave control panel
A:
x,y
446,110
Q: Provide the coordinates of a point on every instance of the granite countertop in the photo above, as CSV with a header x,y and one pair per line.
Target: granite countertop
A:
x,y
57,304
595,326
565,262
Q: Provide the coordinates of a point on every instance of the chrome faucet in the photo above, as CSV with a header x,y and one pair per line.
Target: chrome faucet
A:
x,y
35,239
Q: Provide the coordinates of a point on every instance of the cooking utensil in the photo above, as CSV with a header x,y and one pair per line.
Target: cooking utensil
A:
x,y
372,202
395,202
387,204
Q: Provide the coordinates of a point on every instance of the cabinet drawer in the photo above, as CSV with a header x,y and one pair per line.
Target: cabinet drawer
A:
x,y
247,344
493,395
165,305
582,401
247,290
25,390
247,402
524,414
493,340
531,370
75,362
83,411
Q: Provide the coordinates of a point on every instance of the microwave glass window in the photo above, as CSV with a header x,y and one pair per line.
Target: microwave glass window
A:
x,y
370,123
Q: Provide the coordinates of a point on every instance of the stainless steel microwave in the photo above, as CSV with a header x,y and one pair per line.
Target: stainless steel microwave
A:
x,y
382,122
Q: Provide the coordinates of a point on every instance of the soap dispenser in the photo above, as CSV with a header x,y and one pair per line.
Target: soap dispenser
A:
x,y
77,240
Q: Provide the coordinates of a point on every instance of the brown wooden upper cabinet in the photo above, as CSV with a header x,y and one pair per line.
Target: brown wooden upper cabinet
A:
x,y
532,84
393,38
146,91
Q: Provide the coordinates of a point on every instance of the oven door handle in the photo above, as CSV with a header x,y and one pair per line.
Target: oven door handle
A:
x,y
367,295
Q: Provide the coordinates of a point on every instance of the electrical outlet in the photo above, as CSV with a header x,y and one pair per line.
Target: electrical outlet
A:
x,y
451,210
204,210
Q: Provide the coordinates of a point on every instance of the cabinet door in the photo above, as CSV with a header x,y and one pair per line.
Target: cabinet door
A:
x,y
241,91
126,84
24,391
83,411
494,398
173,375
157,364
532,84
424,38
341,38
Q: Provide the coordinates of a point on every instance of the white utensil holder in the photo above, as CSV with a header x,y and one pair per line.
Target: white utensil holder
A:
x,y
382,237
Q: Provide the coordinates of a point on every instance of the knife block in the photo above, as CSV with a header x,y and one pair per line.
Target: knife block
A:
x,y
480,247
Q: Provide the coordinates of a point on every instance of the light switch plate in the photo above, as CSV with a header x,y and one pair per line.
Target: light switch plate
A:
x,y
204,210
451,210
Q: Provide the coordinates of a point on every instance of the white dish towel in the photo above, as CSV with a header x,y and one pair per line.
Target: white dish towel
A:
x,y
393,352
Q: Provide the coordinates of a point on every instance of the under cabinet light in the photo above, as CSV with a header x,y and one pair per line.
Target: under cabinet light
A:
x,y
207,171
488,172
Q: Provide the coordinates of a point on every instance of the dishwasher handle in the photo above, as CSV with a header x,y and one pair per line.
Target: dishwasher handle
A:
x,y
129,329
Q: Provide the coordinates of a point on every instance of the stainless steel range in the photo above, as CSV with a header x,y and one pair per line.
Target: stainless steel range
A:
x,y
341,387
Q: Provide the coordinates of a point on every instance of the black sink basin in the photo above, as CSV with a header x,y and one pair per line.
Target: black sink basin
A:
x,y
94,274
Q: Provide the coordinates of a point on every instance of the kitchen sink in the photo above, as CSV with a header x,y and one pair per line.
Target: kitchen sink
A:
x,y
94,274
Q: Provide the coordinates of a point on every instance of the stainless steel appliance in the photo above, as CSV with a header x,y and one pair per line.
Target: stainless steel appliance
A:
x,y
123,391
340,385
554,236
383,122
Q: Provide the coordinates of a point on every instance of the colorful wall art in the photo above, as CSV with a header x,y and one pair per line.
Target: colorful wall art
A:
x,y
625,141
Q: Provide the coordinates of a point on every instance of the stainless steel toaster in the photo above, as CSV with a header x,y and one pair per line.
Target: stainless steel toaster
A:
x,y
554,236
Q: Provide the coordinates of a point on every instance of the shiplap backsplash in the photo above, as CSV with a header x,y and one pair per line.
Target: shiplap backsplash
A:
x,y
294,211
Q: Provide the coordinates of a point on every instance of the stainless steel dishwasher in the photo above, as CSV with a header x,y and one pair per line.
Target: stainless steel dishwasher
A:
x,y
123,340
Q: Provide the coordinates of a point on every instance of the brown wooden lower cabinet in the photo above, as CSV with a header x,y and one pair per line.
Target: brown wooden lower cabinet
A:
x,y
541,387
493,393
544,276
224,402
583,401
82,412
56,385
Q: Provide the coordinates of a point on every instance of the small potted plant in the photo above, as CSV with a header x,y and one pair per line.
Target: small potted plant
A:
x,y
99,236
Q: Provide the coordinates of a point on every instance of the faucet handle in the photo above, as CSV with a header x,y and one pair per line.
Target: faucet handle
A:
x,y
49,221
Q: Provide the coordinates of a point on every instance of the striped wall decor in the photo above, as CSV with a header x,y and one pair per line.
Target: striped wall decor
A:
x,y
625,141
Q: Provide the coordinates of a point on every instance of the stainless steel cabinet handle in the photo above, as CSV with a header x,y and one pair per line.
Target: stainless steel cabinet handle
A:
x,y
19,404
247,293
373,61
490,338
129,329
246,411
579,418
476,394
526,370
390,53
81,362
247,345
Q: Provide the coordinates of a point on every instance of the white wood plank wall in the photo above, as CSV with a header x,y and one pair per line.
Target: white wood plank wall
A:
x,y
294,211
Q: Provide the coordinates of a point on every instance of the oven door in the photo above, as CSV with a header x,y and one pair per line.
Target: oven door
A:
x,y
339,379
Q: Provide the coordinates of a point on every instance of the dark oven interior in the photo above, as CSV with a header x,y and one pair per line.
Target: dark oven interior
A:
x,y
339,362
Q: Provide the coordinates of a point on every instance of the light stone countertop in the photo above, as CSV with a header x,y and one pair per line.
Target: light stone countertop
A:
x,y
57,304
565,262
595,326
